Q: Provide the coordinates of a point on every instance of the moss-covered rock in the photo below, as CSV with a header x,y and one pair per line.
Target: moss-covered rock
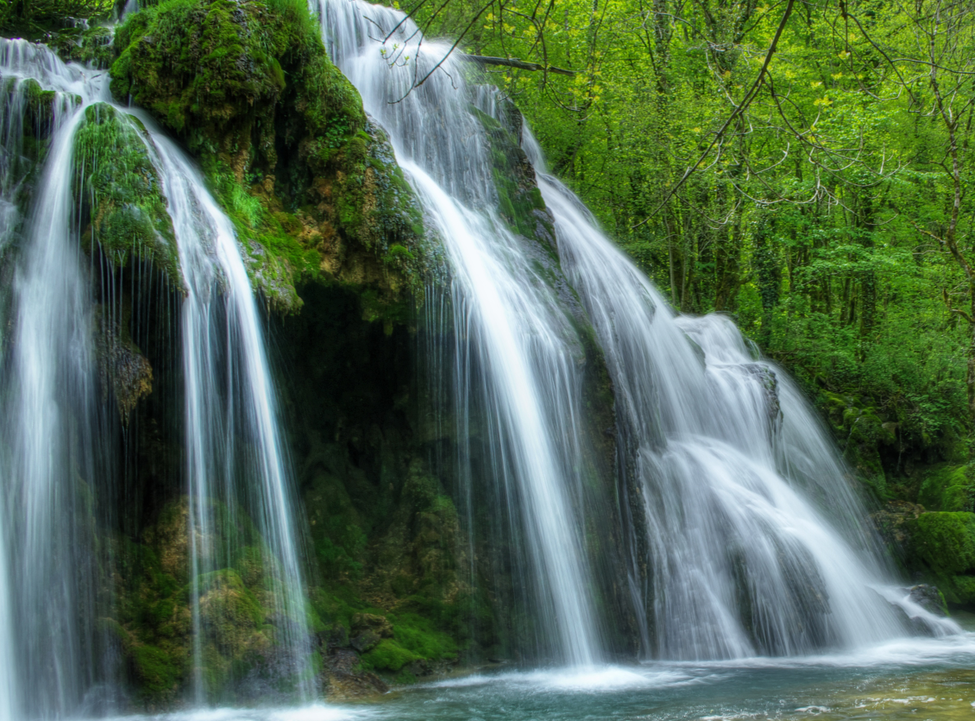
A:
x,y
519,198
118,188
203,68
27,114
126,229
312,187
122,366
941,548
83,44
947,488
39,106
945,541
156,592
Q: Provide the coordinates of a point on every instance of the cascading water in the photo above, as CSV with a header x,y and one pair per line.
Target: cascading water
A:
x,y
514,331
233,447
726,456
54,433
57,437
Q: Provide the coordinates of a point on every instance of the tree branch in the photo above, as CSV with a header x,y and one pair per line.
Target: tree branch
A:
x,y
515,63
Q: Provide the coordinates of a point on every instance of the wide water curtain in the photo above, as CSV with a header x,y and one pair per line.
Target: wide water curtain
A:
x,y
739,560
519,353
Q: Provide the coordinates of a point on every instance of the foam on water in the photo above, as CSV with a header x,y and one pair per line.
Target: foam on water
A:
x,y
594,679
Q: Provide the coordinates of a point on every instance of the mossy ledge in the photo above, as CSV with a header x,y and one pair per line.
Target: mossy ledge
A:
x,y
310,184
941,549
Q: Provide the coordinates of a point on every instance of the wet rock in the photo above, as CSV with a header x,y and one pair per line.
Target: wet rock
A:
x,y
365,641
343,677
372,622
929,598
770,386
368,630
891,523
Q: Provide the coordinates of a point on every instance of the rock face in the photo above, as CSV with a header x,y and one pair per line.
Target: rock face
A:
x,y
942,546
936,547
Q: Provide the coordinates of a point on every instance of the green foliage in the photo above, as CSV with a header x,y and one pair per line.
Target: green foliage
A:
x,y
388,656
948,488
945,542
822,216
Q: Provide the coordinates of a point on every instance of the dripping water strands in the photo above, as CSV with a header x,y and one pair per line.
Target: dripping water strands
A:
x,y
727,457
517,353
58,446
234,453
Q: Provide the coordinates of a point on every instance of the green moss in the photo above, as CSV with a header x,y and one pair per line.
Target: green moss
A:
x,y
119,188
155,599
947,488
202,67
418,635
91,46
944,542
388,656
274,256
156,671
514,180
314,192
962,590
40,104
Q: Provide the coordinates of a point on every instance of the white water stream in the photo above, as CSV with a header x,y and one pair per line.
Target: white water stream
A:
x,y
728,457
514,329
229,397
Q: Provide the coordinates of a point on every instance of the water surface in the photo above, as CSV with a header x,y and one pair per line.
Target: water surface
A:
x,y
908,679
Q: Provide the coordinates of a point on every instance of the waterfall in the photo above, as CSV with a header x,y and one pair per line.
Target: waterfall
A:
x,y
744,534
233,447
737,476
53,434
58,454
516,350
